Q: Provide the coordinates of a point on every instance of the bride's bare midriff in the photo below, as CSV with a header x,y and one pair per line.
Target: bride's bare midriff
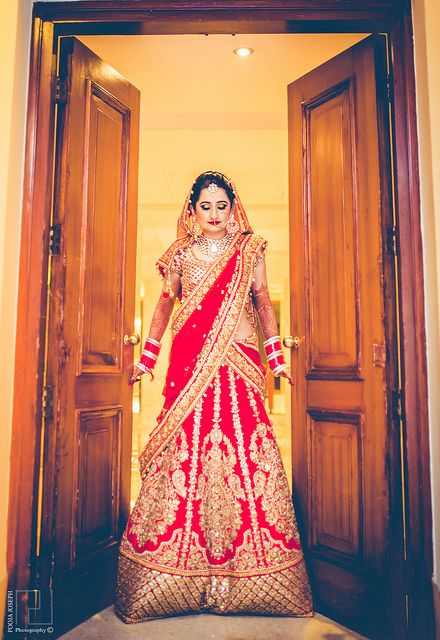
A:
x,y
245,328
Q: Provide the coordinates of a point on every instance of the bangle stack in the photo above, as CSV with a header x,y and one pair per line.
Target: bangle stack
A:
x,y
274,354
149,355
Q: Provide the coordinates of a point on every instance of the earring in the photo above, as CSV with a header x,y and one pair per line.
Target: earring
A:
x,y
232,225
196,229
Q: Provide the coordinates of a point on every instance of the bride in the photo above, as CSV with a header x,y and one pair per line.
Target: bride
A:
x,y
213,528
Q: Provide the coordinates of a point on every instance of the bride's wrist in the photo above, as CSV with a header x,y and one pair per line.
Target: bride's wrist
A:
x,y
274,355
138,365
149,354
143,369
283,368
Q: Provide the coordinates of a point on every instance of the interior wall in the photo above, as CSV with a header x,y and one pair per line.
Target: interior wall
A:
x,y
426,17
15,21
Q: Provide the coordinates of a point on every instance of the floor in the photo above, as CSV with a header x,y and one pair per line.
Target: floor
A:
x,y
106,625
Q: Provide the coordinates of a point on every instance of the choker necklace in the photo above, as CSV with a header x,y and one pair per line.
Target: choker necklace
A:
x,y
213,247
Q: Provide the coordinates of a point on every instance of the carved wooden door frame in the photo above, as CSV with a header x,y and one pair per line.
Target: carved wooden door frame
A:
x,y
53,20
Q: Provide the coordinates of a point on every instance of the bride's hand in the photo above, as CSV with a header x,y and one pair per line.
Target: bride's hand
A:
x,y
135,376
286,374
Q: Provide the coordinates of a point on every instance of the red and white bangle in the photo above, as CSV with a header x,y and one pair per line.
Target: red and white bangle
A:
x,y
274,354
149,354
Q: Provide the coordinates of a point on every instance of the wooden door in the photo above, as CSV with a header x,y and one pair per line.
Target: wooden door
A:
x,y
339,209
90,310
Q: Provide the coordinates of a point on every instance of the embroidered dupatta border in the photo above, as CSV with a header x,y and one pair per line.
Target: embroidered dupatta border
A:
x,y
247,369
215,349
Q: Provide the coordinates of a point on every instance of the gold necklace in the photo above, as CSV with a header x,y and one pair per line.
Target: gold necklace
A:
x,y
213,247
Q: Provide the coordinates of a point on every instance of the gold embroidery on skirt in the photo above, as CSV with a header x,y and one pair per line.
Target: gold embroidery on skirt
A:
x,y
264,576
192,480
166,482
219,489
244,467
270,479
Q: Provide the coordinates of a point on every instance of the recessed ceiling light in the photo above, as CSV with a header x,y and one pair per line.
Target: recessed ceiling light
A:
x,y
243,51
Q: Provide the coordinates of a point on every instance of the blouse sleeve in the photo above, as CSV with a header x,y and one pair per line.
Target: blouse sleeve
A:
x,y
171,259
176,264
261,254
169,266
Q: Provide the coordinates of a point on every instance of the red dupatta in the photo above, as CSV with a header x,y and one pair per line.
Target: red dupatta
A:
x,y
203,329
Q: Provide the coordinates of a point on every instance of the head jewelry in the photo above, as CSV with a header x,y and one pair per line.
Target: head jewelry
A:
x,y
184,223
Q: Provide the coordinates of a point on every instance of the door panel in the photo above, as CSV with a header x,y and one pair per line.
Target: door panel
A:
x,y
103,256
339,409
91,307
335,496
333,349
97,481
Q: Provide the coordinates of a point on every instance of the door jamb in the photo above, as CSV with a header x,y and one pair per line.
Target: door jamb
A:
x,y
156,16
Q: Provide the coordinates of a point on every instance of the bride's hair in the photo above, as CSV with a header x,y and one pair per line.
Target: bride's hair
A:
x,y
205,179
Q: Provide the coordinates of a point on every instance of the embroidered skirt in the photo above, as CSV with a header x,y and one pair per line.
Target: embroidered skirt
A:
x,y
213,528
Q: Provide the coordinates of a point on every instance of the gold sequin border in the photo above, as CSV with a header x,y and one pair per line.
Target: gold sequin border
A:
x,y
212,570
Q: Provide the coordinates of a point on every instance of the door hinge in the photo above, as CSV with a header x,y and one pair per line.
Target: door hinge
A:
x,y
60,90
47,401
54,240
392,241
397,404
388,87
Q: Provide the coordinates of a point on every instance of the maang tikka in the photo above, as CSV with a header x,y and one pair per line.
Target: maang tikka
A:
x,y
232,225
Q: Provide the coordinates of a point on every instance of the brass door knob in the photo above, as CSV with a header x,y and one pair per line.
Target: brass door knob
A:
x,y
133,339
292,343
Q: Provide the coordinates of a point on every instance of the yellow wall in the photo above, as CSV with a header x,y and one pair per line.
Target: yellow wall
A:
x,y
426,15
15,19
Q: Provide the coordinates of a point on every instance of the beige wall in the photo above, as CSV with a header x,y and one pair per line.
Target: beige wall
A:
x,y
426,15
15,18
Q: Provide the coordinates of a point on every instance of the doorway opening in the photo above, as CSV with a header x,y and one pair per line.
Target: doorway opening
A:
x,y
199,99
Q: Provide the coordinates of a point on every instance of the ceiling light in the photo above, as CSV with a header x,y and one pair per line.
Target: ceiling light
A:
x,y
243,51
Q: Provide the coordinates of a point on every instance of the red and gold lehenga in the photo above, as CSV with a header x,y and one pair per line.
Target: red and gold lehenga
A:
x,y
213,528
